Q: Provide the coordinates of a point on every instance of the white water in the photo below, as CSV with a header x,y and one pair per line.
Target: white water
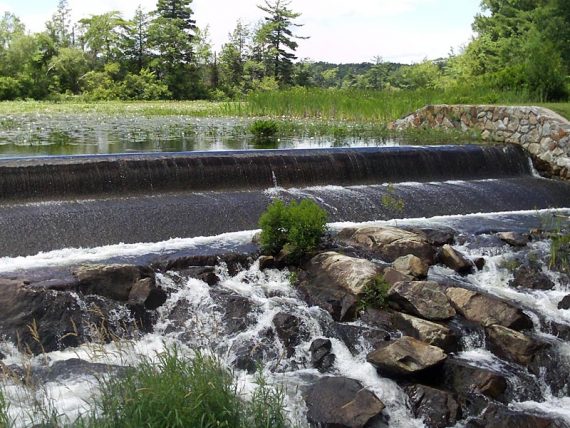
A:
x,y
270,293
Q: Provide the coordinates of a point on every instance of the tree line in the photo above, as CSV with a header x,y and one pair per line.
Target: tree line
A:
x,y
520,45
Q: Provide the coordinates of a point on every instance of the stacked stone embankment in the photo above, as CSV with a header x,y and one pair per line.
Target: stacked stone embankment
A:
x,y
542,132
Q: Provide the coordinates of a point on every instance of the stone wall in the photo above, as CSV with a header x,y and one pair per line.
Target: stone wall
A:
x,y
543,133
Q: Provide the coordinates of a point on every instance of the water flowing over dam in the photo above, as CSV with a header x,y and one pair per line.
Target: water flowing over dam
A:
x,y
85,201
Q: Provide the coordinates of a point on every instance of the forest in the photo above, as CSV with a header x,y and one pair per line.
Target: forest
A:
x,y
520,46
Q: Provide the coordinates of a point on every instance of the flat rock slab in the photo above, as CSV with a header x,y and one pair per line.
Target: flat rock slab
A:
x,y
487,310
425,299
341,402
406,356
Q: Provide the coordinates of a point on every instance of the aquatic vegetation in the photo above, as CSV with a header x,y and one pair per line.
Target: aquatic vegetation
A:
x,y
264,128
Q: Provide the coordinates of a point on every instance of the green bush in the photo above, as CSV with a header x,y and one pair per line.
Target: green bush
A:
x,y
375,294
296,228
10,88
178,392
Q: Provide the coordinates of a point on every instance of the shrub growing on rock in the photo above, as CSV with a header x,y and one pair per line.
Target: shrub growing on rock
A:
x,y
296,228
375,295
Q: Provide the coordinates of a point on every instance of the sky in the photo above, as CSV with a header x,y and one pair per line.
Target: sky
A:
x,y
340,31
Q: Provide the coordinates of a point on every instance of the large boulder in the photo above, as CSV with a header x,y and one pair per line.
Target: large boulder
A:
x,y
564,303
405,356
497,416
392,276
117,281
350,273
456,260
438,409
512,345
412,266
531,277
487,310
341,402
426,331
389,243
436,236
333,282
463,378
425,299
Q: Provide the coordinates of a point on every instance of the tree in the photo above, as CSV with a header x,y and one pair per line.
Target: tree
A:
x,y
10,27
59,27
277,36
103,34
136,41
232,59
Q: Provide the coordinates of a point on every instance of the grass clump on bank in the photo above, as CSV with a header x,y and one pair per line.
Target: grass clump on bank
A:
x,y
296,228
179,392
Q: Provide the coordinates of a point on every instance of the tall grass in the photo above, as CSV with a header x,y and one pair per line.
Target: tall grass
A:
x,y
4,418
363,105
179,392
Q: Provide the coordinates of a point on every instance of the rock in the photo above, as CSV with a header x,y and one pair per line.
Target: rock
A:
x,y
435,236
464,378
73,368
392,276
255,352
564,303
338,302
267,262
532,278
438,409
356,337
455,260
514,239
290,331
321,356
479,263
236,310
425,299
487,310
405,356
512,345
111,281
350,273
426,331
389,243
147,294
412,266
341,402
496,416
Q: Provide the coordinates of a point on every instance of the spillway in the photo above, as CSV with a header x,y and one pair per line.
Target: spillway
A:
x,y
84,201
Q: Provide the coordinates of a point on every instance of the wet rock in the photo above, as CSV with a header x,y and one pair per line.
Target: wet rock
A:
x,y
438,409
321,356
341,402
411,265
111,281
487,310
479,263
435,236
496,416
464,378
426,331
338,302
389,243
255,352
551,364
64,370
425,299
514,239
147,294
355,337
235,262
531,277
236,310
564,303
350,273
405,356
455,260
379,318
290,331
392,276
267,262
512,345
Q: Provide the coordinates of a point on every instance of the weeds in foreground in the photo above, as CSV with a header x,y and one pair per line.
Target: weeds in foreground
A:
x,y
180,392
4,418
